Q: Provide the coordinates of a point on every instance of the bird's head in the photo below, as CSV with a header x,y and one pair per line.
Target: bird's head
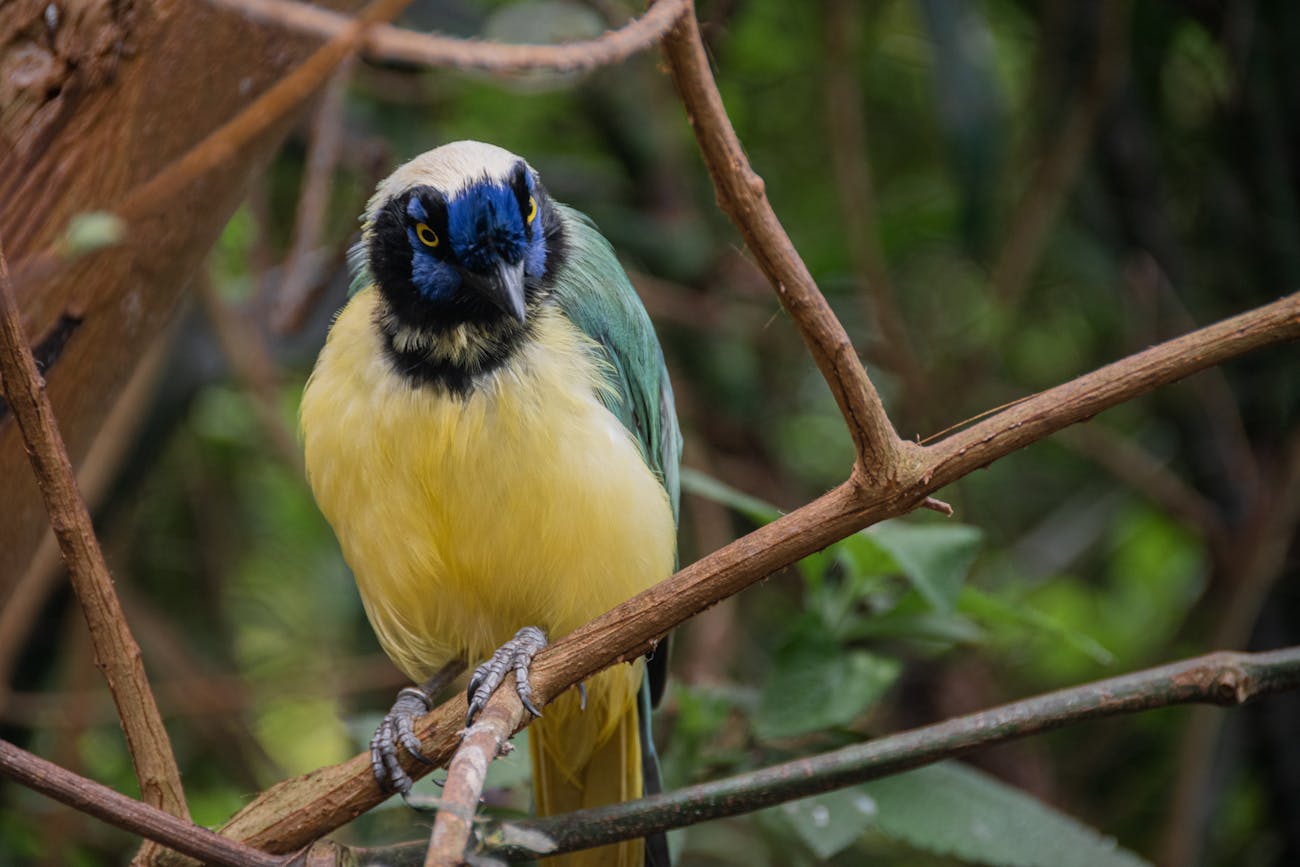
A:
x,y
461,235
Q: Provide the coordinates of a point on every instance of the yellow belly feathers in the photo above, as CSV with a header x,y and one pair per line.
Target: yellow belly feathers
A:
x,y
465,519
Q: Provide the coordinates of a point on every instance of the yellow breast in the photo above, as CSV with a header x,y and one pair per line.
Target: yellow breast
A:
x,y
466,518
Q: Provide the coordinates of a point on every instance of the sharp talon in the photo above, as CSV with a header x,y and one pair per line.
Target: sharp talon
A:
x,y
515,655
398,728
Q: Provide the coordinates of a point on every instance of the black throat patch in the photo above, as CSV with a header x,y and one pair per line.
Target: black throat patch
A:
x,y
452,347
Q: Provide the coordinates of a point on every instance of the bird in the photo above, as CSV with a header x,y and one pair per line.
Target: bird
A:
x,y
490,431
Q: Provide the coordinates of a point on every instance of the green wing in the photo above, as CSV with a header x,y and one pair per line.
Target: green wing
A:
x,y
594,292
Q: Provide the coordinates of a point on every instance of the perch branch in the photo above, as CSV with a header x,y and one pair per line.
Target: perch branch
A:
x,y
116,653
296,811
394,44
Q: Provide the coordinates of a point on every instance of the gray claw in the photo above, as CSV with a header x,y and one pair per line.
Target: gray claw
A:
x,y
398,727
517,653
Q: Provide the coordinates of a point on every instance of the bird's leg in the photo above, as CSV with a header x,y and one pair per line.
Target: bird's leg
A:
x,y
398,727
517,653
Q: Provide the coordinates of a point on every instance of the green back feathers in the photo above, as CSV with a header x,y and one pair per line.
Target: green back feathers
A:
x,y
593,291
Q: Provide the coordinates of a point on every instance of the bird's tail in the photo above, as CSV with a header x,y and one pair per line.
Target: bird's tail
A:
x,y
589,758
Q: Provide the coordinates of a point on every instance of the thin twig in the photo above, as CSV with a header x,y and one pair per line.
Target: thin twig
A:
x,y
1048,411
161,191
1257,562
483,741
117,809
386,43
741,194
116,652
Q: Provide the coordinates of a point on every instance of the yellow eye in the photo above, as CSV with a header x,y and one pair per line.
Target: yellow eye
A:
x,y
427,236
532,209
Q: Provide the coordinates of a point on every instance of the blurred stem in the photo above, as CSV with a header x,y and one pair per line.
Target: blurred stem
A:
x,y
1258,560
1133,465
1059,165
856,193
254,365
304,273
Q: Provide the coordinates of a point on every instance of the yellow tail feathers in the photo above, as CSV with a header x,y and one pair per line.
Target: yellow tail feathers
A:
x,y
606,744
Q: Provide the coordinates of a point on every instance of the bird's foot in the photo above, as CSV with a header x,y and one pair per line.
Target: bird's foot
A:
x,y
517,653
398,727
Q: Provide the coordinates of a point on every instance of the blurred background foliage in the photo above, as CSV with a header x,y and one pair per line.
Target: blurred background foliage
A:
x,y
995,196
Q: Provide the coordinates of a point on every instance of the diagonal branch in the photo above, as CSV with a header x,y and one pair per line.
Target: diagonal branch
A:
x,y
296,811
483,741
741,194
116,653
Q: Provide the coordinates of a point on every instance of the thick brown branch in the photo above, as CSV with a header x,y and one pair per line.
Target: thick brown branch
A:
x,y
117,809
429,49
116,653
741,195
297,811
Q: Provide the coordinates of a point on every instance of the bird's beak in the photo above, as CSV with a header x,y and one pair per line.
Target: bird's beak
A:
x,y
503,285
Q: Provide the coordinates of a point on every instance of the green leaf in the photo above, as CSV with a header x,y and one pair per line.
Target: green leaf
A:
x,y
994,611
818,685
935,557
830,823
953,809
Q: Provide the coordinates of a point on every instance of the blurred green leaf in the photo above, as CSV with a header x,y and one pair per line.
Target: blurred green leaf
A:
x,y
817,684
953,809
1002,613
696,482
935,557
830,823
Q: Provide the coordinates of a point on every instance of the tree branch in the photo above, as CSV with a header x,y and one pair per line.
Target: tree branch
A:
x,y
741,194
296,811
483,741
393,44
116,653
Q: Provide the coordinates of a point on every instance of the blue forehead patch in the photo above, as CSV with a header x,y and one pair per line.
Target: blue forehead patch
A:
x,y
484,223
